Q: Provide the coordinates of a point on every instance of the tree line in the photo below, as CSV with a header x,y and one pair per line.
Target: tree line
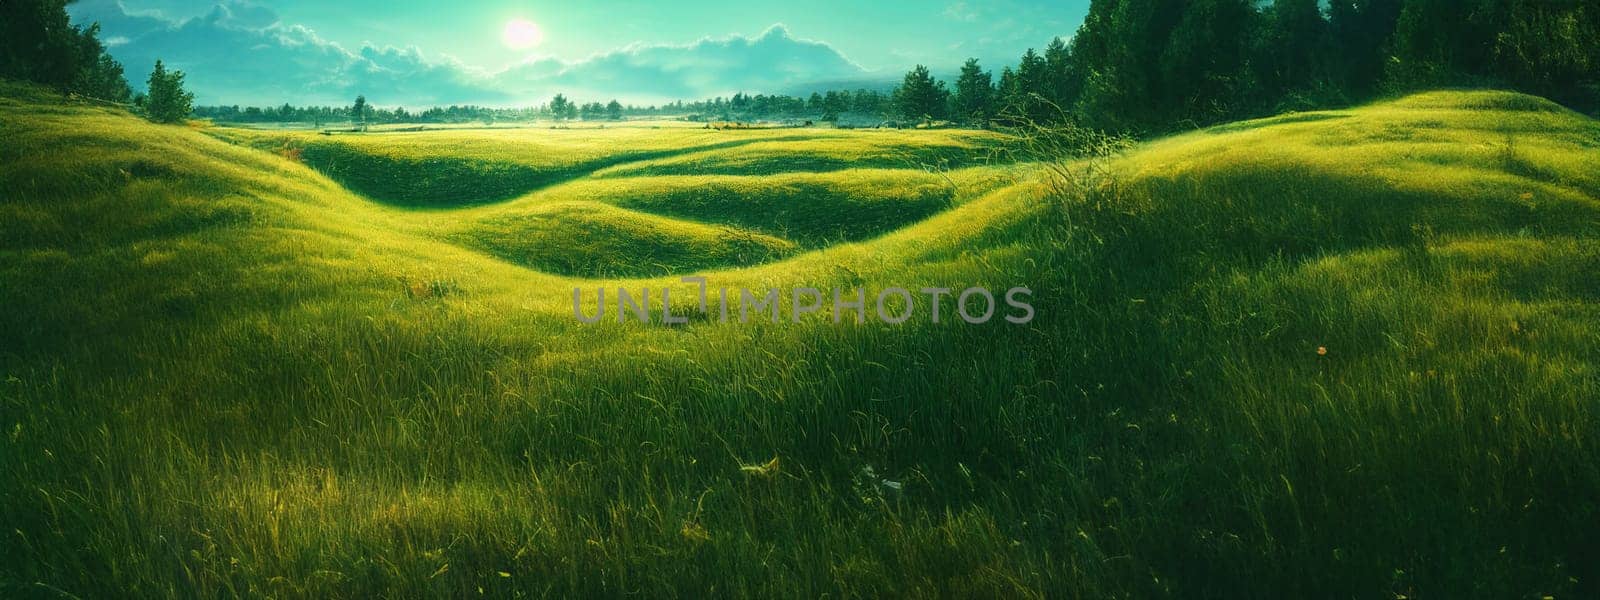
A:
x,y
1140,66
821,106
1159,65
39,43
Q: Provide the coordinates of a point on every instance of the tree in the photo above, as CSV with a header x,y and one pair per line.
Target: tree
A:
x,y
98,75
614,111
974,100
1291,54
560,107
1359,33
1203,69
1426,49
1006,88
358,112
1030,92
38,43
1117,59
1549,48
921,97
167,102
836,102
1058,84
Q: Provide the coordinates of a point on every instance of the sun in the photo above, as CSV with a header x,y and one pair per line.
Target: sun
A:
x,y
521,34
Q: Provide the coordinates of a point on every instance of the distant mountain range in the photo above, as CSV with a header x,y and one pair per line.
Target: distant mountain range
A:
x,y
244,54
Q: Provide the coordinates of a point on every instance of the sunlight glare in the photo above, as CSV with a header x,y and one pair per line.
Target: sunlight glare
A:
x,y
521,34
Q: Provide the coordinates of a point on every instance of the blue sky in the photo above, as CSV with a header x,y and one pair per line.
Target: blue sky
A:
x,y
410,51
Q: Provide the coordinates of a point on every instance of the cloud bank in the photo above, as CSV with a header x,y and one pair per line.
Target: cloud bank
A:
x,y
243,53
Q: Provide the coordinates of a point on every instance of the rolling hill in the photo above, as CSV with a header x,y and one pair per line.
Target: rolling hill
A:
x,y
1339,353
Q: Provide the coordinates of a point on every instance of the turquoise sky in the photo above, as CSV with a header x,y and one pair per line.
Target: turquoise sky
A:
x,y
874,34
411,52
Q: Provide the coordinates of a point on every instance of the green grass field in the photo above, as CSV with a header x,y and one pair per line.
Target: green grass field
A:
x,y
1335,354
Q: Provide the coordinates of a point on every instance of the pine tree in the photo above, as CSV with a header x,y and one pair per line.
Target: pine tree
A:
x,y
1119,63
921,97
1029,97
1007,87
1203,70
1059,86
1091,46
974,99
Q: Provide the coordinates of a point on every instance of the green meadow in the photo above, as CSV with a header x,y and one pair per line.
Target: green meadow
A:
x,y
1348,353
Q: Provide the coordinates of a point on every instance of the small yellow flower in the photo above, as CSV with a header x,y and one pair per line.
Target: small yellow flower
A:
x,y
1322,350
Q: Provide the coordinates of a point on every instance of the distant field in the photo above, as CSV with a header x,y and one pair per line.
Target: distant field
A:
x,y
1335,354
463,167
639,201
638,123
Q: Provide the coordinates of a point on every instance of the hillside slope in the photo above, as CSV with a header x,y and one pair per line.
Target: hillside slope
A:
x,y
1346,353
588,201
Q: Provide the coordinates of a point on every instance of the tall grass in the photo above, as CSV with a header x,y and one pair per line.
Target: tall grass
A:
x,y
1350,355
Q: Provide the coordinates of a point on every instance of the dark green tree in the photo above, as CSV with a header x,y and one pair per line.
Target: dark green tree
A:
x,y
1204,67
1005,89
614,111
1551,48
562,108
1291,55
1091,45
974,99
1424,51
98,75
1119,63
1059,85
921,97
358,112
1029,96
38,43
166,101
1359,35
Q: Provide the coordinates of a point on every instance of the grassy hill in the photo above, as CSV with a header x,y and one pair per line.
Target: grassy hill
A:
x,y
451,168
596,202
1344,353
